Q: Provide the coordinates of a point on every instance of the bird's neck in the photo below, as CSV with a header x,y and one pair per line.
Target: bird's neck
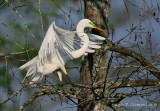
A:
x,y
80,27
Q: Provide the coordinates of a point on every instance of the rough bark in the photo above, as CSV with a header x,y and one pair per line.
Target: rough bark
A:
x,y
97,11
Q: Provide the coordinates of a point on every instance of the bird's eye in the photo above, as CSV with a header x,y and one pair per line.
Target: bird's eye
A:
x,y
91,23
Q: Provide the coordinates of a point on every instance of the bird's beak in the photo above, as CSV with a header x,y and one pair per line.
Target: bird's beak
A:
x,y
99,28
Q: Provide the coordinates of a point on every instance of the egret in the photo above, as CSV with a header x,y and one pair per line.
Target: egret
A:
x,y
59,46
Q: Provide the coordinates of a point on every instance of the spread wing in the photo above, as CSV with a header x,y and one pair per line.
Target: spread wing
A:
x,y
58,47
94,43
65,45
58,43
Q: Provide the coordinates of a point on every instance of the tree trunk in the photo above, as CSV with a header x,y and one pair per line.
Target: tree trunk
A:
x,y
97,11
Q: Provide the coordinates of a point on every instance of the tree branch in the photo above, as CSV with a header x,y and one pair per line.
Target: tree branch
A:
x,y
47,90
135,83
129,52
10,97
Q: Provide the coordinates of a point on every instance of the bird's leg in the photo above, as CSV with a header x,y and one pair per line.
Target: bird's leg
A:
x,y
59,75
63,69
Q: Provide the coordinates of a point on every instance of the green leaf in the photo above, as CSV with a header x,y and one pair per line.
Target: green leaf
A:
x,y
58,2
18,27
3,40
2,2
78,60
111,26
3,76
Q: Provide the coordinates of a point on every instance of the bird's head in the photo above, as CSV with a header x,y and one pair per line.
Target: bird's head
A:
x,y
90,24
94,26
87,23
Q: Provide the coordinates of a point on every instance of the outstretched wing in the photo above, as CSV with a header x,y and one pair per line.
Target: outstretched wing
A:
x,y
94,43
58,47
58,43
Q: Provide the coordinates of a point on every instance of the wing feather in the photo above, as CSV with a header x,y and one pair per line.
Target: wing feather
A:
x,y
94,42
58,47
57,43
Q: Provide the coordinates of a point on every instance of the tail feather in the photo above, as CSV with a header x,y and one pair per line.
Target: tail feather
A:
x,y
31,66
36,78
31,71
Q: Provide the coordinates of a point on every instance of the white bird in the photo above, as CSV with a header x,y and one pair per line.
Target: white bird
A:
x,y
59,46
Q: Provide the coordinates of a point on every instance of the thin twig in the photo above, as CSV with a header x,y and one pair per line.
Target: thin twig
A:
x,y
41,17
14,94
